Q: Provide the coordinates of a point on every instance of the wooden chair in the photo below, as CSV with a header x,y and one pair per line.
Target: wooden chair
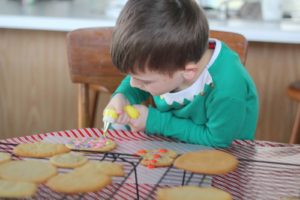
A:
x,y
91,66
293,92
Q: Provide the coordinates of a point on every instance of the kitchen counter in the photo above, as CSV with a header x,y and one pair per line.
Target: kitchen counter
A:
x,y
69,15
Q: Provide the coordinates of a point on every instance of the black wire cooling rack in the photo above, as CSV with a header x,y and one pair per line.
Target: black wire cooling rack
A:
x,y
113,191
252,180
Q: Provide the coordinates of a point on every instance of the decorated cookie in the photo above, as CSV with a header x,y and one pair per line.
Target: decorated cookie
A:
x,y
191,193
27,170
104,167
157,157
4,157
290,198
76,182
207,162
68,160
100,144
40,149
16,189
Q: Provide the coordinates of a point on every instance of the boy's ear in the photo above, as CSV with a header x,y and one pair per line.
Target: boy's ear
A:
x,y
190,71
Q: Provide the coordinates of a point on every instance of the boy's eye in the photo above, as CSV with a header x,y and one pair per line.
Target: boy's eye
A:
x,y
146,82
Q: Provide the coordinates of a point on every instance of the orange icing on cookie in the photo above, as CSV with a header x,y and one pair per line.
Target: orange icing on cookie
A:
x,y
153,161
163,150
156,156
142,151
151,166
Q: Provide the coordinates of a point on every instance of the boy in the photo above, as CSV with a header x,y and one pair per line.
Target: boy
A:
x,y
202,92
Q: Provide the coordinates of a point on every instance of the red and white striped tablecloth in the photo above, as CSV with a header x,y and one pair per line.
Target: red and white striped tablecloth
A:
x,y
267,170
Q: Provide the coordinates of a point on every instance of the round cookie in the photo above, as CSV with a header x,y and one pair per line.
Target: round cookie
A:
x,y
78,182
104,167
100,144
157,157
162,161
40,149
163,152
191,193
4,157
27,170
207,162
16,189
68,160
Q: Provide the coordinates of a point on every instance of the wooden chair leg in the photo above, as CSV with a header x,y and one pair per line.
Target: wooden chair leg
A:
x,y
94,96
294,139
83,106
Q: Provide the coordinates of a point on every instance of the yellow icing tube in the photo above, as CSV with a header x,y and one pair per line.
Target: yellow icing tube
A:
x,y
110,112
110,115
130,110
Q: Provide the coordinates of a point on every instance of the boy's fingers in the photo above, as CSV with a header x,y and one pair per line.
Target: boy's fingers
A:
x,y
123,119
119,111
132,127
132,123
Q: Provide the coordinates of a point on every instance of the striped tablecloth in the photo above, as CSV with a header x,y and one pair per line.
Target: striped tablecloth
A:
x,y
267,170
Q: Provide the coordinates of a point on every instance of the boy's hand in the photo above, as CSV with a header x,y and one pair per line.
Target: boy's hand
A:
x,y
118,102
139,124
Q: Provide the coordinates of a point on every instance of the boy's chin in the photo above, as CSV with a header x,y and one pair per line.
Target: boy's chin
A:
x,y
155,93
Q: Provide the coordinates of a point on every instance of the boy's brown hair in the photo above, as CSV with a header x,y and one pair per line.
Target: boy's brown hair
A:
x,y
159,35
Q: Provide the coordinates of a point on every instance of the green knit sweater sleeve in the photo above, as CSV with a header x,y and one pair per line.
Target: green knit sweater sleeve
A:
x,y
134,95
225,116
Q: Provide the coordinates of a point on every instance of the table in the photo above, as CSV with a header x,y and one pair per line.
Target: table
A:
x,y
267,170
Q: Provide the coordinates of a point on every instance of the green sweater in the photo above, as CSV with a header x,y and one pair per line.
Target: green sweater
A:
x,y
221,106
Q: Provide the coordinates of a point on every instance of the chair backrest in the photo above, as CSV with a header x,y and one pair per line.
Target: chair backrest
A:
x,y
91,65
90,61
89,58
235,41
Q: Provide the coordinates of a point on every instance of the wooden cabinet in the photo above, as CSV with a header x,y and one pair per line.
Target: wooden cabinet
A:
x,y
36,93
273,67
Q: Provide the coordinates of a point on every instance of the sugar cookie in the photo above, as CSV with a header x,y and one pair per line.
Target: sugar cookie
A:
x,y
100,144
16,189
157,157
105,167
27,170
207,162
192,193
40,149
4,157
78,182
68,160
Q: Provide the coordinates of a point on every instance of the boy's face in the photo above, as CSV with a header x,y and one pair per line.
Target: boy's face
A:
x,y
157,83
